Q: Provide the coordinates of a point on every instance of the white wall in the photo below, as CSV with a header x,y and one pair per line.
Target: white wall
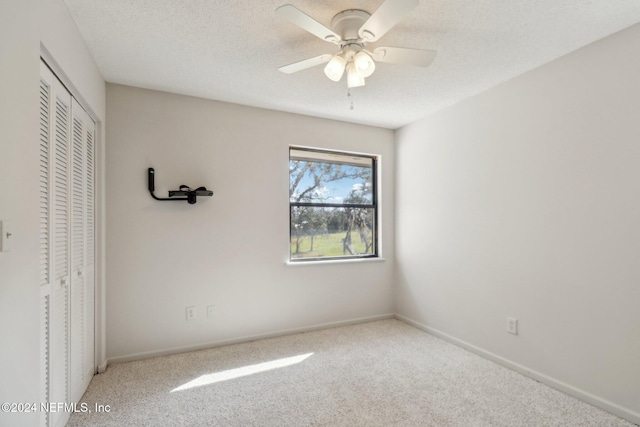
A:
x,y
524,201
23,26
19,313
228,250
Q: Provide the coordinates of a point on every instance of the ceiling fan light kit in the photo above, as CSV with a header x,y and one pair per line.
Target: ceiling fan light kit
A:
x,y
354,78
358,65
335,68
352,29
364,64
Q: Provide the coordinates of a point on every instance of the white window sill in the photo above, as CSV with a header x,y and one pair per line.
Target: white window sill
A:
x,y
335,261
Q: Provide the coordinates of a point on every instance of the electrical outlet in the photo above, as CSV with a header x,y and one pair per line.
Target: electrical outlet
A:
x,y
191,312
210,311
512,325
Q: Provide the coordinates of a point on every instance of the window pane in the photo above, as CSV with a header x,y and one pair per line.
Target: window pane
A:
x,y
316,177
318,232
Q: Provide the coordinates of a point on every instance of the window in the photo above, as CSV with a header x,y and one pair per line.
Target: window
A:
x,y
333,205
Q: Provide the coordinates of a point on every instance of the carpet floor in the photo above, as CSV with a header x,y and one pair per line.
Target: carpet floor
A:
x,y
383,373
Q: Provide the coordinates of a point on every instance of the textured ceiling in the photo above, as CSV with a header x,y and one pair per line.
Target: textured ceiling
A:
x,y
229,50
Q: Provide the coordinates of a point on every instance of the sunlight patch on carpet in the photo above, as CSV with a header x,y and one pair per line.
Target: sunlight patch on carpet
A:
x,y
244,371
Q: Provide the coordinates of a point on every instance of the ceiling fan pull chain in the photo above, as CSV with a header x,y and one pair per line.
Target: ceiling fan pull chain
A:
x,y
350,98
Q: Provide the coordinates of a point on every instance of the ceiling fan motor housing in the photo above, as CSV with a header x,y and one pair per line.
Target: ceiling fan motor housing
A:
x,y
348,22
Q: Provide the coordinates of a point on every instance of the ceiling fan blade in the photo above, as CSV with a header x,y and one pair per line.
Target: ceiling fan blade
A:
x,y
403,56
304,21
385,17
307,63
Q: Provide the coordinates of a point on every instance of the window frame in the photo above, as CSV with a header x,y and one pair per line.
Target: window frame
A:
x,y
374,205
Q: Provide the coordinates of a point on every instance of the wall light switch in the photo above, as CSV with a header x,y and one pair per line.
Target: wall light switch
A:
x,y
6,236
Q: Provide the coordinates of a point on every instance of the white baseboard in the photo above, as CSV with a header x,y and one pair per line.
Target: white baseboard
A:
x,y
202,346
601,403
102,367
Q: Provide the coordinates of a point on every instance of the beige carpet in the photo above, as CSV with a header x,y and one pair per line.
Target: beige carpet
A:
x,y
383,373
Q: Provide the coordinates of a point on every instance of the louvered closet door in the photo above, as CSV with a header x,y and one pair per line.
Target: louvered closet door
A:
x,y
77,251
46,130
81,362
67,140
60,120
89,258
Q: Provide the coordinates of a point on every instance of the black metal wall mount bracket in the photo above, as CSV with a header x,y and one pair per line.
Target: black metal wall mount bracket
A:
x,y
184,193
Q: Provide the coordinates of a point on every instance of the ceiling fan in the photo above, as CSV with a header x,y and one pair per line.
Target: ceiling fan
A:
x,y
352,30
